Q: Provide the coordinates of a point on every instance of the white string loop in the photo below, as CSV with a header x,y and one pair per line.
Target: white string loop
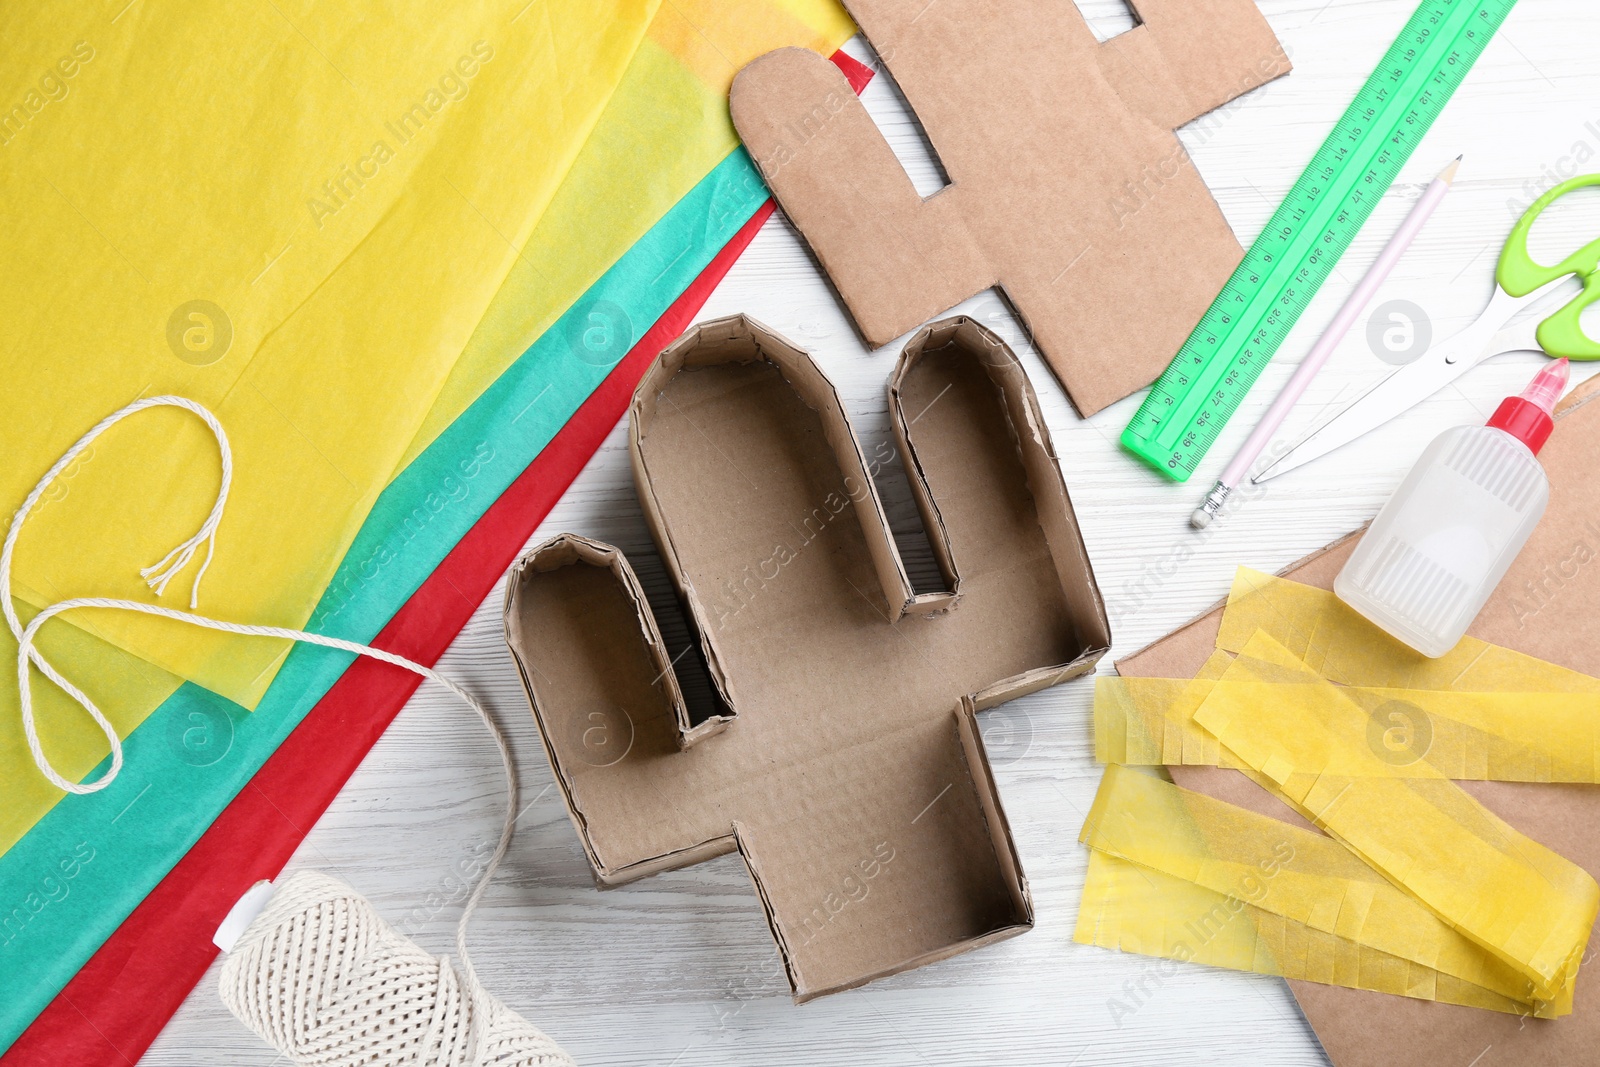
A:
x,y
157,576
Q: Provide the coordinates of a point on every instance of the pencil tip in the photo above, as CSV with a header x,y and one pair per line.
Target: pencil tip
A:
x,y
1449,173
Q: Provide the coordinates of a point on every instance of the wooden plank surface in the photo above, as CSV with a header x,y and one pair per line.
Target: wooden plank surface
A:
x,y
679,969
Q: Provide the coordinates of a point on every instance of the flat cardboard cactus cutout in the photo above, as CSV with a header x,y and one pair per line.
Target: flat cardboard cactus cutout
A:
x,y
846,766
1068,187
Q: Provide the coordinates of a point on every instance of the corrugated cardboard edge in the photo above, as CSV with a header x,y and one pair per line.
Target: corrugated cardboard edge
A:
x,y
932,521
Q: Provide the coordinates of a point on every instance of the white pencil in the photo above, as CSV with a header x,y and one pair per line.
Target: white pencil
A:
x,y
1353,307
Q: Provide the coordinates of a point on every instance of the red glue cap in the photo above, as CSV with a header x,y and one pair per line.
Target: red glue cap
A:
x,y
1529,417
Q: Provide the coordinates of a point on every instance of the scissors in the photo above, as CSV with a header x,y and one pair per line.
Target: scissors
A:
x,y
1520,282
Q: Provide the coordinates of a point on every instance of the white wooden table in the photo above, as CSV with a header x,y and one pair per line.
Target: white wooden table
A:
x,y
680,969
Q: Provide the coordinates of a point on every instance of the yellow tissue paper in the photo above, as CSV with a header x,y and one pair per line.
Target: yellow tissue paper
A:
x,y
1420,891
1492,737
664,129
1149,722
1293,873
1529,906
295,214
125,688
1339,644
1129,908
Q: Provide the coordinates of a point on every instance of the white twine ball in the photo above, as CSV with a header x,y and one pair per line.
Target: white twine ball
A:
x,y
326,981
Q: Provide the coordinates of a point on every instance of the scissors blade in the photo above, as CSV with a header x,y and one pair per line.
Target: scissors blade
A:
x,y
1394,395
1438,367
1522,337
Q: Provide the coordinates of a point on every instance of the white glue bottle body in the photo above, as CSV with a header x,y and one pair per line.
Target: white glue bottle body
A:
x,y
1448,535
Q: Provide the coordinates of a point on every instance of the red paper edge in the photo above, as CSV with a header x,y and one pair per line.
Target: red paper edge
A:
x,y
112,1009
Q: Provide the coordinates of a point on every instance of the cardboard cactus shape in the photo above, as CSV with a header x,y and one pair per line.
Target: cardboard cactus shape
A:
x,y
845,762
1068,187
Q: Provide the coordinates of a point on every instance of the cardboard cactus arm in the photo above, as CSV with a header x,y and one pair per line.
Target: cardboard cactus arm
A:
x,y
896,259
600,682
975,444
1189,57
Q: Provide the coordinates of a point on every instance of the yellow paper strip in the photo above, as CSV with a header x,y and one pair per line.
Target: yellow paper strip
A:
x,y
1286,871
1129,908
1149,722
1337,643
1526,904
1498,737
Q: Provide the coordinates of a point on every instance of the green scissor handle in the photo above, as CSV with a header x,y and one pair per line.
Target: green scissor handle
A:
x,y
1562,333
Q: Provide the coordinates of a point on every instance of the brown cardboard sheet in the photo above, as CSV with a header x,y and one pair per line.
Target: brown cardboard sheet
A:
x,y
1547,606
848,769
1068,187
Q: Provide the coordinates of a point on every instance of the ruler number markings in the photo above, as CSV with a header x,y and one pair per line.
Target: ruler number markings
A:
x,y
1312,228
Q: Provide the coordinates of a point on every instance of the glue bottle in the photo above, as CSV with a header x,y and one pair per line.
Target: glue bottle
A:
x,y
1448,535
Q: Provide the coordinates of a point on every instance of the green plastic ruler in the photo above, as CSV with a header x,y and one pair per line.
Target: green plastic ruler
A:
x,y
1199,392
